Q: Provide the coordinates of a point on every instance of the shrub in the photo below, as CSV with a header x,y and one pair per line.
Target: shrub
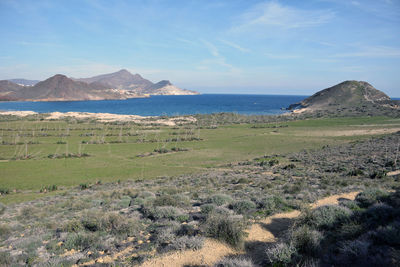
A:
x,y
369,197
169,212
234,262
271,204
2,208
166,200
220,199
280,254
228,229
187,230
73,226
207,208
4,191
388,235
243,206
350,204
165,235
83,186
5,230
307,240
92,222
5,258
186,242
81,241
377,214
354,249
327,217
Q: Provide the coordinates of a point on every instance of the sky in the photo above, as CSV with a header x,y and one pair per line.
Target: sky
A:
x,y
228,46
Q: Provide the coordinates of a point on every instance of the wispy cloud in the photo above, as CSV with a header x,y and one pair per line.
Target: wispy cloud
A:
x,y
217,59
272,14
236,46
371,52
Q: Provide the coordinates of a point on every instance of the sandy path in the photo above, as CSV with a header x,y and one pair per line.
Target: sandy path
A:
x,y
264,231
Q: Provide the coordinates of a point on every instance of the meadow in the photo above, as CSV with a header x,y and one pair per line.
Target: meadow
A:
x,y
38,154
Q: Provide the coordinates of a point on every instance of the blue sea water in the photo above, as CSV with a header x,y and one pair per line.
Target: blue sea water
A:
x,y
168,105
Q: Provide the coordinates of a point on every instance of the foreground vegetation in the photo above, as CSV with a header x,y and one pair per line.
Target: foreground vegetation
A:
x,y
126,222
51,156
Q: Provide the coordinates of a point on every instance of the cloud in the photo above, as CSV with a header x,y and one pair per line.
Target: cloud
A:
x,y
236,46
217,59
274,15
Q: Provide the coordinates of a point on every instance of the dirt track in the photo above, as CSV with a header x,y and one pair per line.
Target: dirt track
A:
x,y
259,235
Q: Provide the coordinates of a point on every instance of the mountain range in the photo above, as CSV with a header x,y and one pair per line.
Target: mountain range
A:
x,y
118,85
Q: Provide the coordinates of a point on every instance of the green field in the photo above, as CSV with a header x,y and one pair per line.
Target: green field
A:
x,y
27,148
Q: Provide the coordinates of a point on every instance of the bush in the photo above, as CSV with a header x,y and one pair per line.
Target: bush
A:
x,y
378,214
220,199
2,208
207,208
387,235
280,254
4,191
5,258
353,250
234,262
369,197
169,212
327,217
5,230
81,241
243,206
228,229
307,240
186,242
166,200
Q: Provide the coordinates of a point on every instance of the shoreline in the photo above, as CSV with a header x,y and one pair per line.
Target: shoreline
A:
x,y
105,117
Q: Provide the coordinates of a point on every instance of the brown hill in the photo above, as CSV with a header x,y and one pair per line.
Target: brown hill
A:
x,y
122,79
346,95
61,88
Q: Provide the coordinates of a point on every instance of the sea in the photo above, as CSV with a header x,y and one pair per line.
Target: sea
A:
x,y
168,105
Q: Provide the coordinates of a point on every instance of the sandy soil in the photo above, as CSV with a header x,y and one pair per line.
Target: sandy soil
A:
x,y
393,173
18,113
350,132
264,231
106,117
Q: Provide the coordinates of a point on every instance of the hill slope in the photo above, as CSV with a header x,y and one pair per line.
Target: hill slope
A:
x,y
346,95
124,80
59,88
24,82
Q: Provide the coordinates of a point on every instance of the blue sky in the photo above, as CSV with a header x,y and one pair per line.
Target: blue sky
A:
x,y
230,46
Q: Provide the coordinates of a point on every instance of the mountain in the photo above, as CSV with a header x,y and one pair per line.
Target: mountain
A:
x,y
60,88
7,86
345,95
165,87
24,82
124,80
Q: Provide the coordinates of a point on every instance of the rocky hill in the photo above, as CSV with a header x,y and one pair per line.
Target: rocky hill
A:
x,y
124,80
58,88
348,95
24,82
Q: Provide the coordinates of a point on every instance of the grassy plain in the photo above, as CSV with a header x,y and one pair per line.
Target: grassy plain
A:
x,y
121,152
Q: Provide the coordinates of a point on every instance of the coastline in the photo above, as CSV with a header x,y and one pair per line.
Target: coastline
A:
x,y
105,117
